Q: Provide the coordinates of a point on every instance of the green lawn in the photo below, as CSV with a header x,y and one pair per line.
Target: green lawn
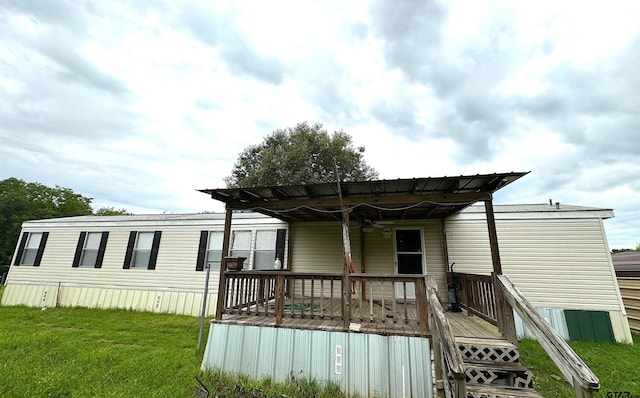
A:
x,y
77,352
616,365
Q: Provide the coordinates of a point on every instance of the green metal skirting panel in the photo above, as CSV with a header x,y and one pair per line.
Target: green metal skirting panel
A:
x,y
367,364
589,325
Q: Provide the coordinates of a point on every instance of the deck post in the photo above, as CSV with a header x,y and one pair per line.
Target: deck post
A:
x,y
225,250
279,298
493,237
421,298
346,298
504,312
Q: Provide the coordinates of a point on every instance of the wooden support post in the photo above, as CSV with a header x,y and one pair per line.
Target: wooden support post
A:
x,y
363,267
280,298
504,312
493,237
346,298
225,250
445,249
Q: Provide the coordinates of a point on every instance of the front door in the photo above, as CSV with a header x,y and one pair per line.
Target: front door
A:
x,y
409,258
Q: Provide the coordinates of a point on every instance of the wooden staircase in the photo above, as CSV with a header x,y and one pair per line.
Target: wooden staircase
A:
x,y
493,369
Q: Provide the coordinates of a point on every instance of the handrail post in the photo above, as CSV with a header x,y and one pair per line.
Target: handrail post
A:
x,y
421,297
504,313
279,298
346,299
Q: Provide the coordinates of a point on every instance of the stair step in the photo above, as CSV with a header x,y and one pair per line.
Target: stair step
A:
x,y
499,373
492,391
476,349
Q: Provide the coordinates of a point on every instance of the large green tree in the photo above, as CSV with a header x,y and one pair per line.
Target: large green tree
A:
x,y
304,154
21,201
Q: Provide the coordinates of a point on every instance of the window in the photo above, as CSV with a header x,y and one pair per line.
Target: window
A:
x,y
90,249
241,244
31,248
264,254
142,250
260,252
210,250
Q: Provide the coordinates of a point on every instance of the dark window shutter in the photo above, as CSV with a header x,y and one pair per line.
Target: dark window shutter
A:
x,y
129,253
103,246
202,250
154,250
280,242
43,242
23,243
79,247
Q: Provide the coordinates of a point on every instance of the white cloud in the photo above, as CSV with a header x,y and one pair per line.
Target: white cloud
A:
x,y
139,104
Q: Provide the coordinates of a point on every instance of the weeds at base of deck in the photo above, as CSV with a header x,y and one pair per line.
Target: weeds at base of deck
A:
x,y
226,384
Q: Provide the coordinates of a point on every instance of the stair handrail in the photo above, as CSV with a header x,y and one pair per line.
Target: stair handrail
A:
x,y
448,358
575,371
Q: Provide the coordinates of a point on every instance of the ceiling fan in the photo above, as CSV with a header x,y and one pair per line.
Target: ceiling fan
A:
x,y
371,225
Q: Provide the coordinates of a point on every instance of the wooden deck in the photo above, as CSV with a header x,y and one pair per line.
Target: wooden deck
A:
x,y
466,326
399,318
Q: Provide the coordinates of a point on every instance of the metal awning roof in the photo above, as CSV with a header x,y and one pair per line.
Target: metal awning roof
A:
x,y
368,201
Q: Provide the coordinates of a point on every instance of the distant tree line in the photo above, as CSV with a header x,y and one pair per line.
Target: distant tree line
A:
x,y
637,249
21,201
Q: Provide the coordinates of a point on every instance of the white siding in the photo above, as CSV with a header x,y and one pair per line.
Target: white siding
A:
x,y
174,286
317,247
556,263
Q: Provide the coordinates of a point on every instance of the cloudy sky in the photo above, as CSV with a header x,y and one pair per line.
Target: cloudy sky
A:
x,y
139,103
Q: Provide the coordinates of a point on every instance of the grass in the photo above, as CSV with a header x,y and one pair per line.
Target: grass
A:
x,y
79,352
616,365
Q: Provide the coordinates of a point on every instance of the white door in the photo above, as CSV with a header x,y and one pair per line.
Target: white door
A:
x,y
409,258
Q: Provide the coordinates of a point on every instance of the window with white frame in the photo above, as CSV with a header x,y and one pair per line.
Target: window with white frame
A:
x,y
264,253
90,249
214,249
142,250
32,245
241,244
260,248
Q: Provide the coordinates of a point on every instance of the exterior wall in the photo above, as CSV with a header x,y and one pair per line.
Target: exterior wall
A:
x,y
555,263
560,263
369,365
174,286
317,247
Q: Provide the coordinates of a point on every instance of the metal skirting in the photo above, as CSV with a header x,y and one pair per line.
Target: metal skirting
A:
x,y
368,364
555,317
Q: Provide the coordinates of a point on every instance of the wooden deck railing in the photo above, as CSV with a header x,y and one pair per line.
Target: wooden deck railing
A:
x,y
478,296
379,299
575,371
448,362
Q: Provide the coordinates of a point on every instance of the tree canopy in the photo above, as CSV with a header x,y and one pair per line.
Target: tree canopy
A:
x,y
111,211
21,201
304,154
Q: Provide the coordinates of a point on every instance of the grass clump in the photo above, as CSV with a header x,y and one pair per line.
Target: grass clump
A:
x,y
615,364
224,384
